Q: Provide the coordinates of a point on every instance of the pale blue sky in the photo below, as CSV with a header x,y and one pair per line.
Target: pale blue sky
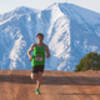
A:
x,y
7,5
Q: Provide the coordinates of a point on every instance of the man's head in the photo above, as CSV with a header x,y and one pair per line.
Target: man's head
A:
x,y
39,37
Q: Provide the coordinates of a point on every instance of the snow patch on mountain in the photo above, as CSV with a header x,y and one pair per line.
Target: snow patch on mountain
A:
x,y
55,14
16,52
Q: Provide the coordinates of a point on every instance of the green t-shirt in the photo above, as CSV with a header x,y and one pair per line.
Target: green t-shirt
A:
x,y
38,57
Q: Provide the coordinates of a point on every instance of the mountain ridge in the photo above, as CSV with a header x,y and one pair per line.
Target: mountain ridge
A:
x,y
67,30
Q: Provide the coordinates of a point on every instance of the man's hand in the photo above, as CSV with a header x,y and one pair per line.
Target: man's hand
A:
x,y
30,58
48,55
29,51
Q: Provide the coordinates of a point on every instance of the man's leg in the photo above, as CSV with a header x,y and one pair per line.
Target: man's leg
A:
x,y
39,80
34,76
34,73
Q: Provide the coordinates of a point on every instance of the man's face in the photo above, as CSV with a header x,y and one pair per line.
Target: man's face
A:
x,y
39,39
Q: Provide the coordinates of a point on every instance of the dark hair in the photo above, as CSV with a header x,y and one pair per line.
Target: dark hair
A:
x,y
40,34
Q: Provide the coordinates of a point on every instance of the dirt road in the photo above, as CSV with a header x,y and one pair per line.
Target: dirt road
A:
x,y
17,85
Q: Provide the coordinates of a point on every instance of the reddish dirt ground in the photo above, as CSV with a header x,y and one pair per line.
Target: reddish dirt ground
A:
x,y
57,85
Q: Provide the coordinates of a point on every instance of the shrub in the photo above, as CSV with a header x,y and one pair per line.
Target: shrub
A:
x,y
90,62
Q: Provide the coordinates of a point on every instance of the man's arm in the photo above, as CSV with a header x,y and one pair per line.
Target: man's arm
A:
x,y
30,50
47,51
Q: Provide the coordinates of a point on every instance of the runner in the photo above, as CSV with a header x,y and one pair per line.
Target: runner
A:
x,y
38,60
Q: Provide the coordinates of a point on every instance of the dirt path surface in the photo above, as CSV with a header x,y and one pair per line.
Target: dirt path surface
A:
x,y
17,85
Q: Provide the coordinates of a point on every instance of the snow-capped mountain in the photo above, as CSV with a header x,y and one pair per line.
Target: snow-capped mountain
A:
x,y
70,32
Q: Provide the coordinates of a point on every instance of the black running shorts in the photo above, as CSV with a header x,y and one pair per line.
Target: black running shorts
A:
x,y
36,69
